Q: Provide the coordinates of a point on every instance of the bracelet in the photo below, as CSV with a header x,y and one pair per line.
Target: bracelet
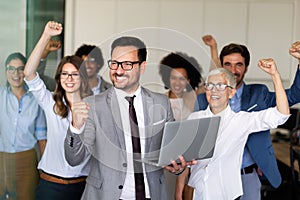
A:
x,y
178,173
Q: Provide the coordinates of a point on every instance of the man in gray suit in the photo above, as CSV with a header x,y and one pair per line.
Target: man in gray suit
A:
x,y
101,128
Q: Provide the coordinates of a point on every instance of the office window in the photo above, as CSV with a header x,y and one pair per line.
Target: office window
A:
x,y
22,22
39,12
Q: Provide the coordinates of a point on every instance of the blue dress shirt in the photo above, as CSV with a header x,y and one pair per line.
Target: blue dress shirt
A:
x,y
235,104
22,123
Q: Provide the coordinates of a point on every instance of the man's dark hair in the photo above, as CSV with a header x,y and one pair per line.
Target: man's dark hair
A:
x,y
91,50
235,48
131,41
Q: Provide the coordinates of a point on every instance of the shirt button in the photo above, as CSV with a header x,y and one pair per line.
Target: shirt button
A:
x,y
124,164
120,187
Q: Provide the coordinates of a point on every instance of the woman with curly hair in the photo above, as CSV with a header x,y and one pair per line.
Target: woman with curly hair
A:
x,y
181,75
58,180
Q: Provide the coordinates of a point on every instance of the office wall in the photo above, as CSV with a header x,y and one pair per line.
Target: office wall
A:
x,y
13,31
267,27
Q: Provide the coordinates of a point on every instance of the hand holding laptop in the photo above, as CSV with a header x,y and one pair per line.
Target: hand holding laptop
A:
x,y
193,139
178,168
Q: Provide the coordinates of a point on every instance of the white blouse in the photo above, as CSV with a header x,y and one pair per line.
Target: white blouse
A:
x,y
220,176
180,110
53,160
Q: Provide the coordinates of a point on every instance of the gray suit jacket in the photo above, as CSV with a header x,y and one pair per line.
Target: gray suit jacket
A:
x,y
103,139
104,85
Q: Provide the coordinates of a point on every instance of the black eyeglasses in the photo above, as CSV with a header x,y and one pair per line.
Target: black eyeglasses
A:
x,y
74,75
12,69
125,65
218,86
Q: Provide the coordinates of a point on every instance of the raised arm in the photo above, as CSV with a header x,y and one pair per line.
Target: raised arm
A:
x,y
295,51
269,66
210,41
52,45
51,29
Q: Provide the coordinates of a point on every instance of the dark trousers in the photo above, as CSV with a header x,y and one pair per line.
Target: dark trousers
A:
x,y
53,191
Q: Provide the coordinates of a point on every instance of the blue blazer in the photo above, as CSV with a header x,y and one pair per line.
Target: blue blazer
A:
x,y
257,97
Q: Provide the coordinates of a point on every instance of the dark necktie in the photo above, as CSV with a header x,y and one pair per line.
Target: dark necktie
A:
x,y
136,147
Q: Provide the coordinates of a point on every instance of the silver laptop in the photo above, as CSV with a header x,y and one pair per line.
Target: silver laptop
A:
x,y
194,139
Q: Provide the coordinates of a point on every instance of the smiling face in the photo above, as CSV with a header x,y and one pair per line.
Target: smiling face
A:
x,y
218,100
178,81
127,81
236,64
92,67
70,83
15,78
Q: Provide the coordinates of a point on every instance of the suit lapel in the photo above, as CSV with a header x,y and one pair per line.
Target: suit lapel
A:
x,y
104,85
113,107
245,98
147,103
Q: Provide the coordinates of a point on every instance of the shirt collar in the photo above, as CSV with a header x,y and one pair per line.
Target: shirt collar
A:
x,y
99,80
121,94
27,92
221,114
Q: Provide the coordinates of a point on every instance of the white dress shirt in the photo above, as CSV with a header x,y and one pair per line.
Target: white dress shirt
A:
x,y
220,176
128,191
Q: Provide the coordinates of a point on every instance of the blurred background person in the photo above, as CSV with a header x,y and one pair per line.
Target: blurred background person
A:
x,y
53,45
94,61
22,126
181,75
